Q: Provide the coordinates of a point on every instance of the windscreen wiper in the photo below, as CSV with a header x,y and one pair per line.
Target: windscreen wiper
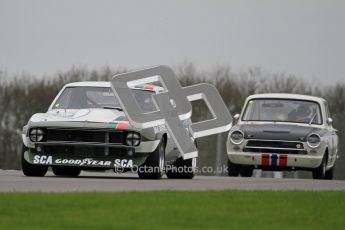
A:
x,y
111,107
312,119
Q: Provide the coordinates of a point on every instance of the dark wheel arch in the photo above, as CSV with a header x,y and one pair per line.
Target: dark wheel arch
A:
x,y
153,163
31,169
246,171
233,169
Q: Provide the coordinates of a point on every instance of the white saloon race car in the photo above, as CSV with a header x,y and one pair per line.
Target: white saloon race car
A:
x,y
283,132
86,128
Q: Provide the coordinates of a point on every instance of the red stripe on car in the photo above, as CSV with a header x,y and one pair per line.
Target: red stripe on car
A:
x,y
265,159
149,87
283,159
122,125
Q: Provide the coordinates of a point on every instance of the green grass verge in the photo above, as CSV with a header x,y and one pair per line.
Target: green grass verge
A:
x,y
173,210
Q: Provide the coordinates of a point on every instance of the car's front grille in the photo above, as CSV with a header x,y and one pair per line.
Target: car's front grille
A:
x,y
278,151
273,146
94,151
100,136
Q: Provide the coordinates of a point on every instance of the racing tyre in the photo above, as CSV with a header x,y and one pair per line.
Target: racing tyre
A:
x,y
31,169
246,171
182,169
329,174
233,169
66,171
154,165
320,172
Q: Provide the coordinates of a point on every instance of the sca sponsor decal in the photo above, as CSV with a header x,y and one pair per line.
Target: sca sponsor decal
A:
x,y
48,160
43,159
123,163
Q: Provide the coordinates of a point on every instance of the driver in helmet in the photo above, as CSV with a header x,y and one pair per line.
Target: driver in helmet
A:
x,y
303,113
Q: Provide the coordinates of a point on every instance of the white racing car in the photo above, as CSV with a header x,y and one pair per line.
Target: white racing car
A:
x,y
86,128
283,132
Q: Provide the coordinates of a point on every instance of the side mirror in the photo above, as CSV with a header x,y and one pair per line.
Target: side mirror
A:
x,y
329,121
237,116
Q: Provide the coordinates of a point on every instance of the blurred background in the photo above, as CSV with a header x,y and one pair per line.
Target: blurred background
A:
x,y
242,47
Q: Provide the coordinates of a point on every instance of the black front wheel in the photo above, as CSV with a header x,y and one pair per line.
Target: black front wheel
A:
x,y
329,174
247,171
233,169
320,172
153,167
182,169
31,169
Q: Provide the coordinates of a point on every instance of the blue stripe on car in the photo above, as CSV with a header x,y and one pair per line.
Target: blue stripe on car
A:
x,y
274,159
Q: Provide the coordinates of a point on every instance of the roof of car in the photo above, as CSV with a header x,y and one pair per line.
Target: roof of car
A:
x,y
107,84
90,83
286,96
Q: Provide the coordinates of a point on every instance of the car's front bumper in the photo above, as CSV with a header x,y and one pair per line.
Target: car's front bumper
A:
x,y
106,162
275,160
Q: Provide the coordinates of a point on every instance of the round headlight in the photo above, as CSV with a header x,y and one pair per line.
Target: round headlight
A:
x,y
36,135
236,137
313,140
133,139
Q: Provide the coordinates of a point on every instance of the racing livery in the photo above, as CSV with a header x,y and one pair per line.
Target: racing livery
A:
x,y
283,132
86,128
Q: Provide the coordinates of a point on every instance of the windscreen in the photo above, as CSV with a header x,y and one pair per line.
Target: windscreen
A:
x,y
100,97
279,110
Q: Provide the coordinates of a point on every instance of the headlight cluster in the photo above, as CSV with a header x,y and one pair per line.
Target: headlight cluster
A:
x,y
236,137
36,135
313,140
133,139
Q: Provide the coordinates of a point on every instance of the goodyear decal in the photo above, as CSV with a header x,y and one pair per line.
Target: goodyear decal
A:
x,y
48,160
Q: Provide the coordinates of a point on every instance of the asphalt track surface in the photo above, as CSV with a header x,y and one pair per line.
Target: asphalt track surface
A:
x,y
14,181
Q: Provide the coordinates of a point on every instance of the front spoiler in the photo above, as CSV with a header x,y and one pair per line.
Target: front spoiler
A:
x,y
107,162
271,160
